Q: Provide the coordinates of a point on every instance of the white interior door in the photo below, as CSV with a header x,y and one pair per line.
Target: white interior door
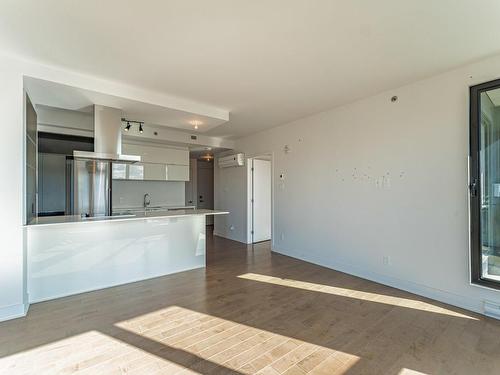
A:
x,y
261,200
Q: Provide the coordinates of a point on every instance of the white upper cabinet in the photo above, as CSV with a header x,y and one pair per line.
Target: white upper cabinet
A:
x,y
157,164
177,172
160,155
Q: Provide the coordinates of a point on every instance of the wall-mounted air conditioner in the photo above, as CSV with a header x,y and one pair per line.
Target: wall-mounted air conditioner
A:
x,y
236,160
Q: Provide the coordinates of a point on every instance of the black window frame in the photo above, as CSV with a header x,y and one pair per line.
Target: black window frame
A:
x,y
475,183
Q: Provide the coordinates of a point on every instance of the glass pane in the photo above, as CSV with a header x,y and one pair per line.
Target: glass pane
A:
x,y
489,162
136,172
119,171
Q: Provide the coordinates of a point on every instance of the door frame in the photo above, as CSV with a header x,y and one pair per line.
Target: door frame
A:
x,y
476,277
250,222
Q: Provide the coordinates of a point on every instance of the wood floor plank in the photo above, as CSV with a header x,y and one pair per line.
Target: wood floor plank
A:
x,y
250,311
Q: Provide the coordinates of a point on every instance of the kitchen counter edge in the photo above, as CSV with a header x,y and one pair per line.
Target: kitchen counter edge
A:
x,y
74,219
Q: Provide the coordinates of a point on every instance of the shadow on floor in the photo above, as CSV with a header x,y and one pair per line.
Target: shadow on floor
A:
x,y
386,330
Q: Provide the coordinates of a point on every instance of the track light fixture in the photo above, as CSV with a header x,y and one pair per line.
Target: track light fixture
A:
x,y
130,122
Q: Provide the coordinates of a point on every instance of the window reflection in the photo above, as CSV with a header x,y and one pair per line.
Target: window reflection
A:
x,y
489,161
119,171
136,172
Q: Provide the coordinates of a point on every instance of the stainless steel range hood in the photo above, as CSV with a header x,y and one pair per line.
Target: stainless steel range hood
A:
x,y
107,137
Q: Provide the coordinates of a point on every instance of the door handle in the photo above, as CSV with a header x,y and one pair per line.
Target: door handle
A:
x,y
473,188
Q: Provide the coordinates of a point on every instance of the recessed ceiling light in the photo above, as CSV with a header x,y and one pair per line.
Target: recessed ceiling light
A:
x,y
195,123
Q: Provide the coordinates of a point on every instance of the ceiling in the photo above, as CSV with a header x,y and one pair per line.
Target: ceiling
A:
x,y
53,94
202,153
266,61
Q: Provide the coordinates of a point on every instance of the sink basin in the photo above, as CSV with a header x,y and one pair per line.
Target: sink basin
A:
x,y
114,216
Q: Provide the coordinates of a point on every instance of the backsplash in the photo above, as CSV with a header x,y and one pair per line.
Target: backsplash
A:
x,y
162,193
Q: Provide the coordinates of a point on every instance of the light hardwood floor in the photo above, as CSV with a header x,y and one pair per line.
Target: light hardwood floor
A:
x,y
249,312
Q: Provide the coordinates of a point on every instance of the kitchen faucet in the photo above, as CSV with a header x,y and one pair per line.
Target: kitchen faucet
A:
x,y
147,200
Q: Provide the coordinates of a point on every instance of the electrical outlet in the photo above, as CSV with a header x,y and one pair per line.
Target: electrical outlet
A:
x,y
386,260
231,227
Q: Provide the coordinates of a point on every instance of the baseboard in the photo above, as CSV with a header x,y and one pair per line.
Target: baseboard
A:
x,y
228,238
467,303
13,311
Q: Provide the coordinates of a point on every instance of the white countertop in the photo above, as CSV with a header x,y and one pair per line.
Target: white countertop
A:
x,y
77,219
155,208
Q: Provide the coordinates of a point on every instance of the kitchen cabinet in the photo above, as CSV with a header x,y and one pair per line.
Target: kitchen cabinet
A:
x,y
157,155
177,172
150,172
157,164
154,172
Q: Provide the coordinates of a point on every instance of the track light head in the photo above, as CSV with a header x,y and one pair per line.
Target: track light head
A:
x,y
141,130
127,128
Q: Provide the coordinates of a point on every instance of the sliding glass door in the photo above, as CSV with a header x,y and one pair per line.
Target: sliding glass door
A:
x,y
485,183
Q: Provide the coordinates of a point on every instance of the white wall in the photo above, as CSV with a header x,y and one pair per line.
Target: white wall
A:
x,y
375,179
162,193
12,275
230,194
63,121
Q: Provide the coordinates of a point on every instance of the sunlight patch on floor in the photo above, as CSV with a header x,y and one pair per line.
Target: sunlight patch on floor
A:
x,y
90,351
214,342
406,371
352,293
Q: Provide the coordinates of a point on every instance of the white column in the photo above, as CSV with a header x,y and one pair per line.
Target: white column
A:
x,y
12,276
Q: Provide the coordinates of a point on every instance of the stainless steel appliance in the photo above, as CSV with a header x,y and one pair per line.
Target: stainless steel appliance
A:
x,y
89,174
88,187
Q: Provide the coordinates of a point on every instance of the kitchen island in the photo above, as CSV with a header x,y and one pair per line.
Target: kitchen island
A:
x,y
73,254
